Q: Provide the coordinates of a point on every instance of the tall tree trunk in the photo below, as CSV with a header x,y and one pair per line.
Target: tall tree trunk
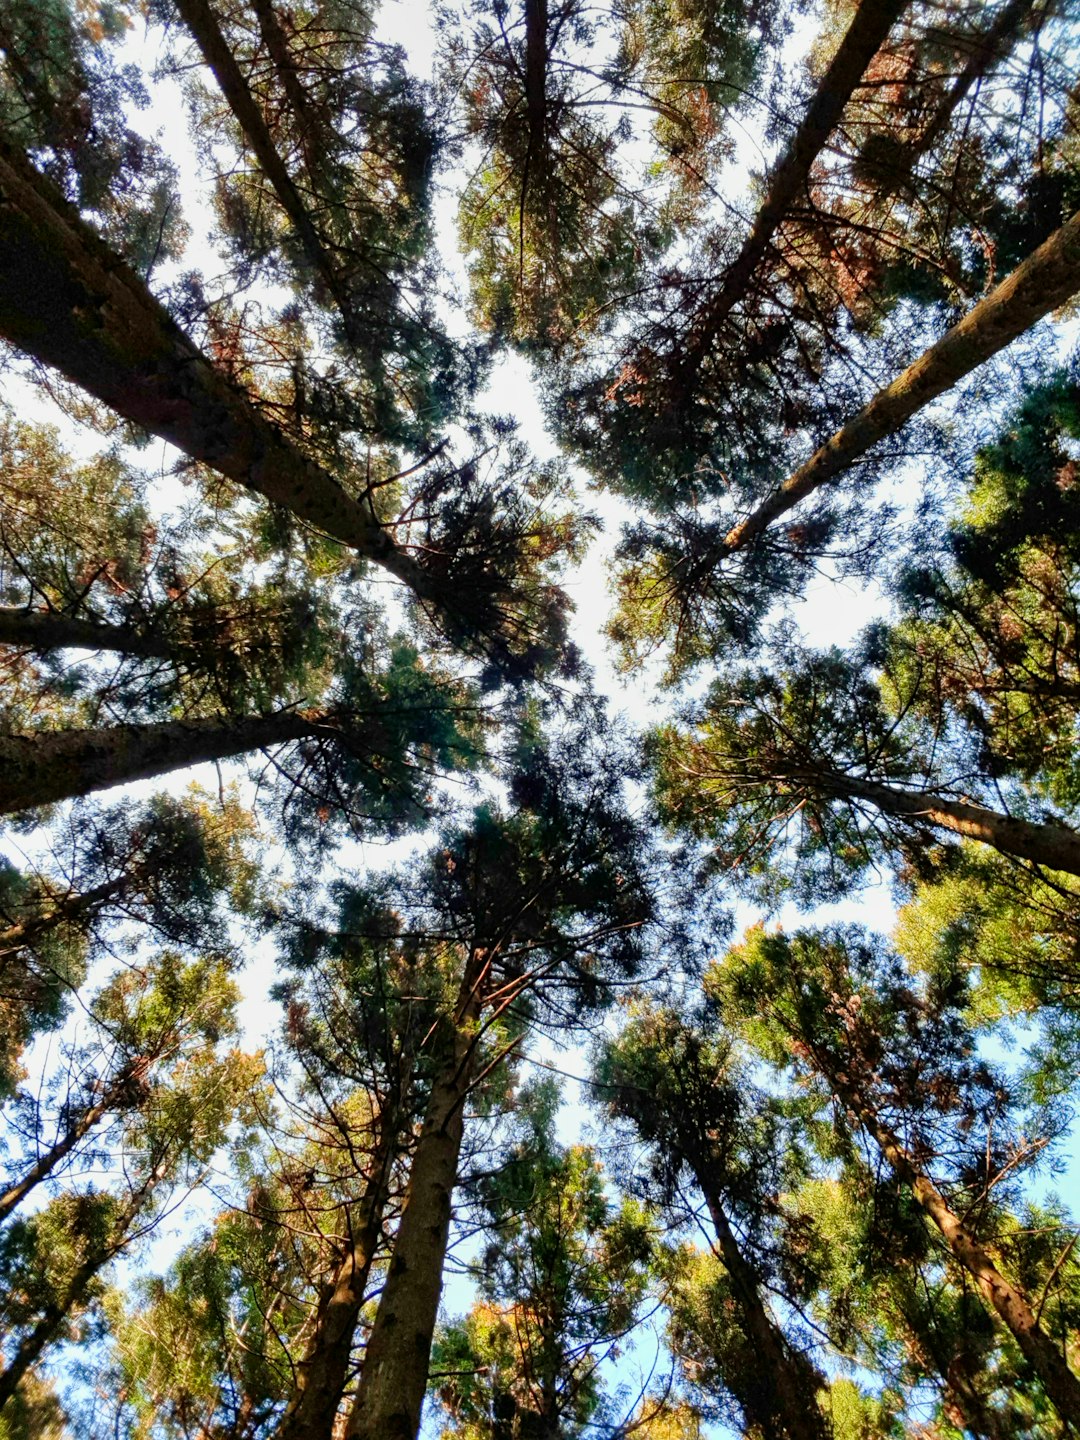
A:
x,y
536,112
865,35
795,1414
199,17
29,1349
73,304
1009,1303
1045,280
47,1162
51,765
43,630
986,49
973,1413
395,1371
1054,846
67,908
310,126
322,1373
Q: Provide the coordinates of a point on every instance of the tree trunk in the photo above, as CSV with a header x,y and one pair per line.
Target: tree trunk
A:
x,y
1010,1304
865,35
1054,846
67,908
973,1413
322,1373
395,1371
795,1414
51,765
536,58
309,125
29,1349
1045,280
44,630
200,19
986,49
43,1167
70,302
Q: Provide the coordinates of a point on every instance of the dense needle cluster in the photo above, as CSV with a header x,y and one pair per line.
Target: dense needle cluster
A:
x,y
539,1124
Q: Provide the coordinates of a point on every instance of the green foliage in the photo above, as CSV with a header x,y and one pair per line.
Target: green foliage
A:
x,y
564,1278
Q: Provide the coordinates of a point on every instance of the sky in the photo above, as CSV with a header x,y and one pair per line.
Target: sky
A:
x,y
831,613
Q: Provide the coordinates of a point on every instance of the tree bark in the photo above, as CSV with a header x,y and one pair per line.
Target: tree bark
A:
x,y
865,35
395,1370
312,130
795,1414
985,51
1045,280
323,1371
45,630
52,765
70,907
536,58
1009,1303
199,17
29,1349
1054,846
43,1167
70,302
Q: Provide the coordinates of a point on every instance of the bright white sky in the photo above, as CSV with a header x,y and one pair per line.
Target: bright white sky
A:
x,y
831,613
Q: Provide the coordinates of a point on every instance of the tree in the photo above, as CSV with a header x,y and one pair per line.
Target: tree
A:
x,y
391,725
693,1104
896,1061
548,899
811,752
565,1274
168,866
53,1258
72,304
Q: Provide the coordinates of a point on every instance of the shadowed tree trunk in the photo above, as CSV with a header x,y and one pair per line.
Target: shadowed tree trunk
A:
x,y
45,630
795,1414
51,765
1004,30
866,34
536,56
1008,1302
125,1084
199,17
72,303
29,1349
1045,280
394,1378
322,1373
65,908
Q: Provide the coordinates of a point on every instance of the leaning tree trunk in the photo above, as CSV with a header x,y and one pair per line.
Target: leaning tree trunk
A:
x,y
794,1413
321,1375
1045,280
199,17
51,765
72,303
1054,846
312,130
43,630
865,35
68,909
29,1349
46,1163
986,49
1009,1303
395,1371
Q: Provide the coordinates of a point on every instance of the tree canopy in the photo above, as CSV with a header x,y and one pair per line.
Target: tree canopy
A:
x,y
540,637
